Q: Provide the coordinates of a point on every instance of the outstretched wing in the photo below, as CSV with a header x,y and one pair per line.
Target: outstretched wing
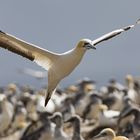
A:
x,y
113,34
32,52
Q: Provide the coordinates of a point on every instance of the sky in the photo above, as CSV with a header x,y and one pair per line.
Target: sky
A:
x,y
59,25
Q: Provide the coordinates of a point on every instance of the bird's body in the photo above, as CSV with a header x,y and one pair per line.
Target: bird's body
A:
x,y
75,121
59,133
6,114
63,66
58,65
40,129
67,62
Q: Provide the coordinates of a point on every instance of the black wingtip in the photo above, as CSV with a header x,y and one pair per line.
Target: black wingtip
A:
x,y
128,27
2,32
138,21
46,101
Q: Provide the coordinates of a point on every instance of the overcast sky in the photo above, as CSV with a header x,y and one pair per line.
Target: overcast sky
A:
x,y
59,25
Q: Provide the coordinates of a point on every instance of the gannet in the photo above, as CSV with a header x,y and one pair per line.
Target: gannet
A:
x,y
59,133
135,111
58,65
92,110
75,121
40,129
6,115
110,134
34,73
67,109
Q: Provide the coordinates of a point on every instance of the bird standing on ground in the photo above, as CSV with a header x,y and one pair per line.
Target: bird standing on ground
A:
x,y
58,65
110,134
7,111
75,121
59,133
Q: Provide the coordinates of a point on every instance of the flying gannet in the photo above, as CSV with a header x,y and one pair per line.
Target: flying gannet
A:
x,y
57,65
34,73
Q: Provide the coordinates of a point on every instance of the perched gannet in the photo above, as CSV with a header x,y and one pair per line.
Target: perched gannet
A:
x,y
17,125
67,108
136,120
110,135
6,114
80,98
30,105
58,65
75,121
107,117
132,92
59,134
92,110
40,129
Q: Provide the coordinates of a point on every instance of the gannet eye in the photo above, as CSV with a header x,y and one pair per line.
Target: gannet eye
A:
x,y
86,43
88,46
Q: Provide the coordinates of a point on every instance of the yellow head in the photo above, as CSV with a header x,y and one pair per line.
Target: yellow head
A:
x,y
107,132
85,44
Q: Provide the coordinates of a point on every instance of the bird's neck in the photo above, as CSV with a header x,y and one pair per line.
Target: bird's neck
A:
x,y
76,129
58,131
77,53
78,50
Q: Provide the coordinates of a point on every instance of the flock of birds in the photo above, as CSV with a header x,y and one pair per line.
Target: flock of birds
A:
x,y
78,112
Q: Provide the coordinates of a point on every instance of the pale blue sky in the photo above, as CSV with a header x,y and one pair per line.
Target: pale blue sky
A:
x,y
59,25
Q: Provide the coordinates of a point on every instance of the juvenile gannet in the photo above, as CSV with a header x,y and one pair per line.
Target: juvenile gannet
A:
x,y
59,133
40,129
58,65
135,111
75,121
110,134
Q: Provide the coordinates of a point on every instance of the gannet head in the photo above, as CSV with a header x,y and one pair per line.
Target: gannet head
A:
x,y
74,120
56,118
86,44
107,132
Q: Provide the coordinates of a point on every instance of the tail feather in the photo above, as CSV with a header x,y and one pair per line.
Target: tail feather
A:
x,y
47,99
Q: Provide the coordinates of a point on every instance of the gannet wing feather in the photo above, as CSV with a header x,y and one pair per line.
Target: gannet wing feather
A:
x,y
32,52
113,33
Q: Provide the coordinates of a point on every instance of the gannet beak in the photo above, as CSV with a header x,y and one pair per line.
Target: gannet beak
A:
x,y
68,120
90,46
46,101
99,135
93,47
